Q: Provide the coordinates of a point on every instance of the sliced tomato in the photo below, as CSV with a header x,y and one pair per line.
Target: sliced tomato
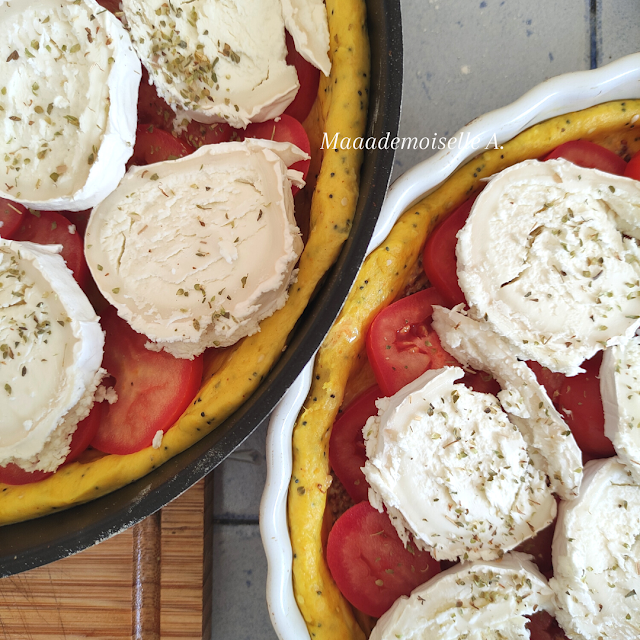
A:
x,y
370,564
542,626
589,155
153,388
78,218
550,380
111,5
439,258
286,129
580,401
481,382
401,344
50,227
156,145
539,546
86,431
151,107
309,79
82,436
14,475
198,133
346,445
11,216
632,169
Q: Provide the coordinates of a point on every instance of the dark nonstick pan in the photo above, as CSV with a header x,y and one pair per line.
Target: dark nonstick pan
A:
x,y
37,542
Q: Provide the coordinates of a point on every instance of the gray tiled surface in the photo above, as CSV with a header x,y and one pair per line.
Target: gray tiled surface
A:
x,y
462,58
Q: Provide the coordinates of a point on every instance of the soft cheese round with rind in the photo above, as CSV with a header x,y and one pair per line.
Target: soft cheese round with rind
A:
x,y
620,391
544,258
475,601
68,102
596,556
215,60
453,471
51,347
552,447
195,252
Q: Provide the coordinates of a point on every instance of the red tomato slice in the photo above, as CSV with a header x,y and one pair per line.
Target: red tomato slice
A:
x,y
198,134
401,344
153,388
370,564
540,548
439,258
11,216
14,475
580,402
550,380
50,227
86,431
151,107
155,145
287,129
481,382
82,436
589,155
543,626
79,218
309,79
632,169
111,5
346,445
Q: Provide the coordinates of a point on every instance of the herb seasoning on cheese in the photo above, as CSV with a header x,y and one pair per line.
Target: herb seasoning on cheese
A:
x,y
596,555
50,354
620,391
68,92
549,257
452,470
196,252
476,601
224,61
551,445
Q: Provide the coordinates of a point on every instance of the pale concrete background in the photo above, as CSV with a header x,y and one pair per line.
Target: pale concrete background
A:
x,y
462,58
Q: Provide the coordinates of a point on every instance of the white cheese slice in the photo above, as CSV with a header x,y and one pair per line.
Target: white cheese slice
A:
x,y
552,446
196,252
306,21
215,60
620,391
68,96
542,257
452,470
50,354
596,555
474,601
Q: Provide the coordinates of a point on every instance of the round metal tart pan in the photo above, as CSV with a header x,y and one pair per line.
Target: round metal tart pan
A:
x,y
36,542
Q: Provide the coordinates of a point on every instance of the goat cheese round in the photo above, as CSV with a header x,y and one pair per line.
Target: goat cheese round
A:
x,y
51,347
471,600
216,61
68,99
196,252
596,555
552,447
452,470
546,259
620,391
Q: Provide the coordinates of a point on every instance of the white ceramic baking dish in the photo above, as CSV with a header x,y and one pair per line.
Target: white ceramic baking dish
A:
x,y
562,94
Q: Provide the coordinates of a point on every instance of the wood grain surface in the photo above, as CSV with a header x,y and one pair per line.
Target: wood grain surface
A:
x,y
151,582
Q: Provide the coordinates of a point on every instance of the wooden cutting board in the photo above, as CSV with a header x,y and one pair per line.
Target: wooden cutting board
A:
x,y
151,582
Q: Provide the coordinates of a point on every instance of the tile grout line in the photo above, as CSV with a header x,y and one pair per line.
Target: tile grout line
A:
x,y
237,521
593,32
